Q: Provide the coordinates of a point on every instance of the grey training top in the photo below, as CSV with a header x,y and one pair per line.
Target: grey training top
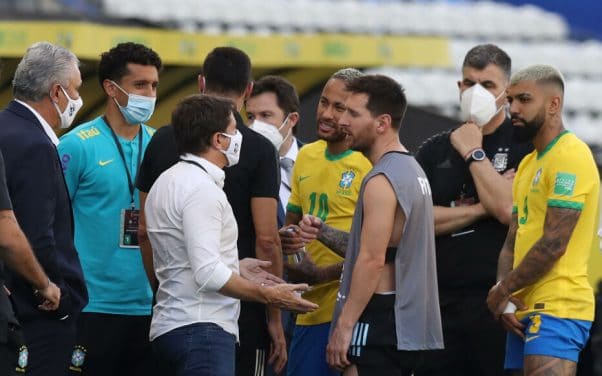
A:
x,y
417,315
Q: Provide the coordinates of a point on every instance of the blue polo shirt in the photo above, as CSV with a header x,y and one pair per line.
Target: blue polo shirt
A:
x,y
99,190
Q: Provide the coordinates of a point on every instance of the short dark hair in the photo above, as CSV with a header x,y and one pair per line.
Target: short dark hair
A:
x,y
482,55
385,96
288,100
113,63
227,70
197,118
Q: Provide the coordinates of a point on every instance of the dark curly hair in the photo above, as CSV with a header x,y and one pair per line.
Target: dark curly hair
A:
x,y
113,63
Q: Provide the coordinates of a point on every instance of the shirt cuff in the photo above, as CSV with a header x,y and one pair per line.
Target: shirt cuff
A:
x,y
216,279
564,204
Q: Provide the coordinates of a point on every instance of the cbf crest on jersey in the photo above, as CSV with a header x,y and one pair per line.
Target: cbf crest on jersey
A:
x,y
77,358
23,359
347,179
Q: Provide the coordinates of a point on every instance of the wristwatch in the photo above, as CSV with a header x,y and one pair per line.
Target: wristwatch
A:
x,y
476,155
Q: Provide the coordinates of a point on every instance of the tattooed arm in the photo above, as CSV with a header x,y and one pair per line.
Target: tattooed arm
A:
x,y
505,262
312,228
558,228
506,257
334,239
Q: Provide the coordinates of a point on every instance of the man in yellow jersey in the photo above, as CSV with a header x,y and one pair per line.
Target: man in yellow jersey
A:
x,y
542,267
325,183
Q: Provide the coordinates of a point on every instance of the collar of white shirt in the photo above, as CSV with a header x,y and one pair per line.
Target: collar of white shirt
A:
x,y
292,151
45,126
217,174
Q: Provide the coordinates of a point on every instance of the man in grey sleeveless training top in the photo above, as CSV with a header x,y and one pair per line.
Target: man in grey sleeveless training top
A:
x,y
387,309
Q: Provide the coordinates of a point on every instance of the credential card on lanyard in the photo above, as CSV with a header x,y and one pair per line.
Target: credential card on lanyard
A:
x,y
128,235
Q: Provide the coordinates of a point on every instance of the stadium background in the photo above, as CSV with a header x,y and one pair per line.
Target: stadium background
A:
x,y
420,43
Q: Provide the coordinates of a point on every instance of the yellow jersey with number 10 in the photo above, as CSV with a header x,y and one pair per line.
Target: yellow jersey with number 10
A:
x,y
326,186
563,175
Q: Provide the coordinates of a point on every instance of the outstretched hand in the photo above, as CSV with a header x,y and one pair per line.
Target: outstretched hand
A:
x,y
253,270
288,296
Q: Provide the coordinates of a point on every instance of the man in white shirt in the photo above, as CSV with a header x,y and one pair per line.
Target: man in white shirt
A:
x,y
194,327
273,111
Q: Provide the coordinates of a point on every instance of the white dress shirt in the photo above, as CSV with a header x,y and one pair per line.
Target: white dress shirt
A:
x,y
193,233
45,126
285,186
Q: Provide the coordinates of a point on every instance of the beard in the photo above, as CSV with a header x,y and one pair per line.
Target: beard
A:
x,y
529,130
336,135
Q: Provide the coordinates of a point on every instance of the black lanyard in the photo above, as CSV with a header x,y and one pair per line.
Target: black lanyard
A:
x,y
195,163
125,165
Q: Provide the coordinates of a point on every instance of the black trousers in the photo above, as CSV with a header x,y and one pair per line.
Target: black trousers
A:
x,y
13,352
475,343
49,344
112,345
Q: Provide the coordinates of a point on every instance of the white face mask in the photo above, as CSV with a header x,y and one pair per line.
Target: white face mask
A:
x,y
478,105
71,110
232,153
271,132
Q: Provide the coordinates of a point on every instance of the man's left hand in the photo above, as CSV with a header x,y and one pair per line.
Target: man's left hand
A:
x,y
278,355
466,138
338,346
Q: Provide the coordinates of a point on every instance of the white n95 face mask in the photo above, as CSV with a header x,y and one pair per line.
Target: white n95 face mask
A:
x,y
478,105
71,110
271,132
232,153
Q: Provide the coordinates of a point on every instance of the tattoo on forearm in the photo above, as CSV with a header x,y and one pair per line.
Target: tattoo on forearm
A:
x,y
506,257
334,239
558,228
332,272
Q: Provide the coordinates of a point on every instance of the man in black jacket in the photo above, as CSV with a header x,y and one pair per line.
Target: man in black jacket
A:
x,y
45,88
470,171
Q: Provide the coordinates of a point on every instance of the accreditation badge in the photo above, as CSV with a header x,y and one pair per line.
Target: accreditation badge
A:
x,y
128,234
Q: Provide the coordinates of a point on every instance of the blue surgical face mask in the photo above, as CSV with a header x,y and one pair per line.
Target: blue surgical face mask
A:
x,y
139,108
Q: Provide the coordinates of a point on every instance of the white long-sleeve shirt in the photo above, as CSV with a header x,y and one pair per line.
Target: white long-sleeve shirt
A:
x,y
193,233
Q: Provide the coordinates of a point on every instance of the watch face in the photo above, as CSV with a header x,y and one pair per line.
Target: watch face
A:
x,y
478,155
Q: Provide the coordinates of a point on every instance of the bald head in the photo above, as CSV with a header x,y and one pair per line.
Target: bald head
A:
x,y
544,75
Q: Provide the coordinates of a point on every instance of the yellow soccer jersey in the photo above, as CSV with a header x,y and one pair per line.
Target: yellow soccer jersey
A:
x,y
563,175
326,186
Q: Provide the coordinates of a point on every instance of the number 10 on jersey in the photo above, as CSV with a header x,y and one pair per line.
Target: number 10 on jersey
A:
x,y
322,201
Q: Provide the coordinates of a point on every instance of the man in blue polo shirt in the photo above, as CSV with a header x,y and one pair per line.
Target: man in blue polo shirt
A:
x,y
100,161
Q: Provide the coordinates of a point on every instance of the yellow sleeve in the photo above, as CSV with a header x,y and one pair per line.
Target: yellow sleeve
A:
x,y
569,181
